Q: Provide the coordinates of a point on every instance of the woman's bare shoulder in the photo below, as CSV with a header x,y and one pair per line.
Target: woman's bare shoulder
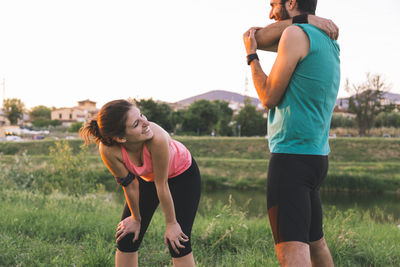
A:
x,y
160,136
111,152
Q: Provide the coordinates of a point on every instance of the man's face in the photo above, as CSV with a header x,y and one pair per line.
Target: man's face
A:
x,y
278,10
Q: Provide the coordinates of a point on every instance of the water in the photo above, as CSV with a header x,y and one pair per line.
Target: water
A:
x,y
376,204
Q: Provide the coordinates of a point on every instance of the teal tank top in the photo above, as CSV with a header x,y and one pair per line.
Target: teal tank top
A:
x,y
300,123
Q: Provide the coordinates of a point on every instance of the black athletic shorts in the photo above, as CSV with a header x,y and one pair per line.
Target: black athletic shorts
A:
x,y
293,201
185,190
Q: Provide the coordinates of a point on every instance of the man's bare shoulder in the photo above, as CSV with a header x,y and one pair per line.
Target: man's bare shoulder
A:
x,y
294,32
295,41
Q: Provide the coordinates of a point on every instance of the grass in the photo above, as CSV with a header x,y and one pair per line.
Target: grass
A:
x,y
62,230
342,149
60,211
216,173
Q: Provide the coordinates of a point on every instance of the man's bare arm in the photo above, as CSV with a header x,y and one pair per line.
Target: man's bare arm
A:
x,y
268,37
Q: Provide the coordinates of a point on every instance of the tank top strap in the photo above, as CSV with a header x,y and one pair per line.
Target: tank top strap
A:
x,y
146,155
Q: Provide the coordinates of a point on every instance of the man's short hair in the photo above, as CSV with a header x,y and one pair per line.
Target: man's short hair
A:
x,y
307,6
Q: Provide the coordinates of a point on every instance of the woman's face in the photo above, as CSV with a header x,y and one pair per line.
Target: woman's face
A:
x,y
137,126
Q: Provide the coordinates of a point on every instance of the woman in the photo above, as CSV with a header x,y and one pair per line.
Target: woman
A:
x,y
152,168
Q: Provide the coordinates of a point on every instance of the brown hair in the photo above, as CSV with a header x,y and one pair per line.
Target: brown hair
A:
x,y
110,123
307,6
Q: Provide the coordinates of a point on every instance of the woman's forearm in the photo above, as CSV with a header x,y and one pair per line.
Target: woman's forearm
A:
x,y
132,199
268,37
166,201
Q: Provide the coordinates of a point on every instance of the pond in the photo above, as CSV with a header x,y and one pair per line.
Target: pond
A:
x,y
380,206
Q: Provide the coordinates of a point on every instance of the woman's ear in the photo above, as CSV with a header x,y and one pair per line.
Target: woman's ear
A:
x,y
120,140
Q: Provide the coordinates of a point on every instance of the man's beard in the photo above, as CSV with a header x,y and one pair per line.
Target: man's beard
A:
x,y
285,14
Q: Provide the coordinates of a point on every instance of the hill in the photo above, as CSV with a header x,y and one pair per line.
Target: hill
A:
x,y
232,98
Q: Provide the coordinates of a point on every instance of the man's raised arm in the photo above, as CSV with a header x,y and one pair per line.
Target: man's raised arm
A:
x,y
268,37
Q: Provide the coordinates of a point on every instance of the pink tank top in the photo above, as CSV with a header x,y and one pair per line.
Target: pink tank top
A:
x,y
180,160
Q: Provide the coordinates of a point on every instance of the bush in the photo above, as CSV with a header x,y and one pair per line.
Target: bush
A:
x,y
385,119
341,121
41,122
74,128
66,171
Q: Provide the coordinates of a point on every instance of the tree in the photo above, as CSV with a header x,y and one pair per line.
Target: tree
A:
x,y
41,112
365,101
249,121
200,117
41,117
224,116
176,119
156,112
13,108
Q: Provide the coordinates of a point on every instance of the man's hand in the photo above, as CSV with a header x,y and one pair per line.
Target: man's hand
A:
x,y
325,25
126,226
249,40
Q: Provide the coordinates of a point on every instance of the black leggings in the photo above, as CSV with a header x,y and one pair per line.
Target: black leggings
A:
x,y
294,204
185,190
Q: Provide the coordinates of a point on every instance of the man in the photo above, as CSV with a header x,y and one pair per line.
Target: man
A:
x,y
300,94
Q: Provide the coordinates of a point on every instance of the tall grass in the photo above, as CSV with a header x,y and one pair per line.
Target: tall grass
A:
x,y
63,171
62,230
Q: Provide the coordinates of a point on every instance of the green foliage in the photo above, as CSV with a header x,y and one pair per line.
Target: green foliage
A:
x,y
13,108
224,115
43,122
250,122
74,128
200,118
339,120
385,119
64,171
41,112
365,102
159,113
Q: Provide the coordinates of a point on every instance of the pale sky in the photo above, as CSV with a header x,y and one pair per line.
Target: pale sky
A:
x,y
56,53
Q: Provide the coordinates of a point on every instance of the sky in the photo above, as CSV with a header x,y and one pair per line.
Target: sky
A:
x,y
55,53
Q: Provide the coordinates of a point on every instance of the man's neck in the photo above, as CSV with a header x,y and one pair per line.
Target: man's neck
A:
x,y
294,13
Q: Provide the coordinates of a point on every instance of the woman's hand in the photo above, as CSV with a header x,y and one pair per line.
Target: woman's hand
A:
x,y
174,234
249,40
327,25
126,226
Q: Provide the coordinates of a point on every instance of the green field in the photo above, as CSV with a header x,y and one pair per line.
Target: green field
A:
x,y
356,164
61,230
58,207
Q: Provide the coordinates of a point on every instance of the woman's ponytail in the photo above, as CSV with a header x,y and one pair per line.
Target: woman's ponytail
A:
x,y
110,123
91,131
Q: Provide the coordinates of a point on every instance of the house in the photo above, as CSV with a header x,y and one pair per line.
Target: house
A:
x,y
342,104
3,119
85,110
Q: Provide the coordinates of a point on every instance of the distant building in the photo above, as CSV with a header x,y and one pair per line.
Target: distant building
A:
x,y
86,110
3,119
342,104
